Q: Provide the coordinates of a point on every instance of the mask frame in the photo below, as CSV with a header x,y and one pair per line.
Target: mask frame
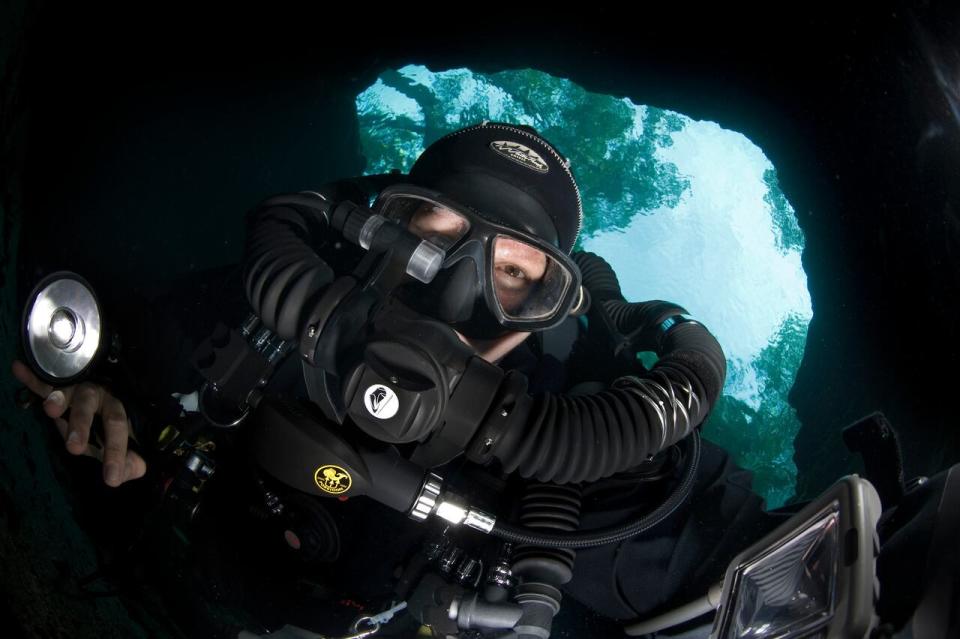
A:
x,y
478,244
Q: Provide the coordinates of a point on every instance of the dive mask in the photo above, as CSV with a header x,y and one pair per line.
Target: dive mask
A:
x,y
494,277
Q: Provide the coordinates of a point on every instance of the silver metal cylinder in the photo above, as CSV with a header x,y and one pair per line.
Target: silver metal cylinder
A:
x,y
63,327
426,500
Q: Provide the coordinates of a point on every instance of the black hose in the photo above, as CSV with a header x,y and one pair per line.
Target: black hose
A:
x,y
574,438
598,277
565,438
548,507
639,322
282,271
610,534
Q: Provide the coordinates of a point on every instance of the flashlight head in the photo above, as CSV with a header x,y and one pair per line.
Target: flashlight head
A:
x,y
62,328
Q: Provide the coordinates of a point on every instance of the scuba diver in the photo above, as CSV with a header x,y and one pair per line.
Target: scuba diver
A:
x,y
431,347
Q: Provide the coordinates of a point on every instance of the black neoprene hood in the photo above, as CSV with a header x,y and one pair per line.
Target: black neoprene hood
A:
x,y
508,174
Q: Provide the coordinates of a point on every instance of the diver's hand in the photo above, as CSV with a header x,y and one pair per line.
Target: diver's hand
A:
x,y
84,401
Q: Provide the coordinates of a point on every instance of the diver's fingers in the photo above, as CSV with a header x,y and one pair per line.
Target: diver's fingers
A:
x,y
116,429
26,377
86,403
135,467
57,402
61,426
91,451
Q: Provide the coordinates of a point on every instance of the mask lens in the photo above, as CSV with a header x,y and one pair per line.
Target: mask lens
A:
x,y
528,283
435,223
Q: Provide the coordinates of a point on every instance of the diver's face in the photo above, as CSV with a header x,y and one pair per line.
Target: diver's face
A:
x,y
517,267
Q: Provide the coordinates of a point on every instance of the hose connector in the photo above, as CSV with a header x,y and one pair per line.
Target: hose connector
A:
x,y
431,500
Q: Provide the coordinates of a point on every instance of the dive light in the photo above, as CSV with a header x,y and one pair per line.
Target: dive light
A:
x,y
63,329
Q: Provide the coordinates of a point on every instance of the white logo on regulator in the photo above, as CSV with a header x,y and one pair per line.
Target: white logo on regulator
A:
x,y
381,402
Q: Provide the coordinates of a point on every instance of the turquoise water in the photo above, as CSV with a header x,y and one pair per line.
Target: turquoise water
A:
x,y
683,210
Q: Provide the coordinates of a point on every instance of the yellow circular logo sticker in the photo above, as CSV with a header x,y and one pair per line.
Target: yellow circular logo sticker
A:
x,y
332,479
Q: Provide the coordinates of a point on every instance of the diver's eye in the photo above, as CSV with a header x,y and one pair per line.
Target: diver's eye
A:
x,y
513,276
515,271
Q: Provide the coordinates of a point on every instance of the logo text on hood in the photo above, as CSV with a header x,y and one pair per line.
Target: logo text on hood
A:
x,y
521,155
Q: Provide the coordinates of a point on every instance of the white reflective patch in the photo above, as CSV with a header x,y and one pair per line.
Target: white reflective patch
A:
x,y
189,402
520,154
381,402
